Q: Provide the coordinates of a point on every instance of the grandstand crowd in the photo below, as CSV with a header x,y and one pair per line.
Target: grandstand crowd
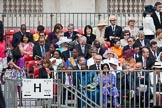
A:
x,y
126,55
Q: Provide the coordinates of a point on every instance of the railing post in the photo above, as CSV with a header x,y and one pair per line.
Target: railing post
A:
x,y
101,85
51,16
59,93
154,88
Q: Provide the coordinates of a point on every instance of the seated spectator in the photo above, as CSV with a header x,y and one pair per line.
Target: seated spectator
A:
x,y
116,48
26,46
46,70
137,52
58,27
18,36
124,41
108,55
159,37
114,66
158,80
97,65
49,54
141,41
109,86
131,27
81,61
88,33
40,48
62,43
99,31
68,53
100,49
131,42
71,34
83,47
40,29
76,41
102,43
91,60
128,58
56,60
72,61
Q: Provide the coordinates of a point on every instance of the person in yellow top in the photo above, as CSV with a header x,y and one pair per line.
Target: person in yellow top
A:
x,y
40,28
116,48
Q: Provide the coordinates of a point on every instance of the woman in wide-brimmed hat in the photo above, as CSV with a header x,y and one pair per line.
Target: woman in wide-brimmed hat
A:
x,y
62,43
108,55
148,23
158,80
99,31
131,27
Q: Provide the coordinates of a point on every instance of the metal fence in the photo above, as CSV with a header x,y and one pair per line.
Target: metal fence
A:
x,y
14,20
95,89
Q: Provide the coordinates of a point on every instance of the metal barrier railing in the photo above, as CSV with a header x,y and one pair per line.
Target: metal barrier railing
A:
x,y
80,20
93,88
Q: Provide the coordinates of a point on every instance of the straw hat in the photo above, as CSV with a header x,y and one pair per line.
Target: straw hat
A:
x,y
112,18
111,52
102,23
113,61
157,65
63,40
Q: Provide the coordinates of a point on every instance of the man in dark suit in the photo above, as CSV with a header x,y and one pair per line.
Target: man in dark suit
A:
x,y
131,42
145,59
40,48
141,41
68,53
153,50
18,35
83,47
71,33
137,51
97,65
113,31
1,27
157,15
100,50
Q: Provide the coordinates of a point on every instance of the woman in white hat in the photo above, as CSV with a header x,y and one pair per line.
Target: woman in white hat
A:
x,y
62,43
158,80
99,31
108,55
131,27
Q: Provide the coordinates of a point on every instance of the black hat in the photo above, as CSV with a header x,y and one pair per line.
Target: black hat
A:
x,y
149,8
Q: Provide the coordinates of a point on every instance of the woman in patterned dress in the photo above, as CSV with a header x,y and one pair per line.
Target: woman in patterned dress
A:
x,y
109,86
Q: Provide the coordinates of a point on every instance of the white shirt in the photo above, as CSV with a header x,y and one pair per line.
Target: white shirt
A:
x,y
148,25
158,15
83,49
142,42
67,80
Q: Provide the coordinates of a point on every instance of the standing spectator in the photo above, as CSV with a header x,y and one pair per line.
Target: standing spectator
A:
x,y
113,31
26,46
88,33
131,42
159,37
145,59
40,29
116,48
3,57
1,27
58,27
62,43
18,36
131,27
40,48
157,16
17,65
141,41
83,47
148,23
71,33
124,41
99,31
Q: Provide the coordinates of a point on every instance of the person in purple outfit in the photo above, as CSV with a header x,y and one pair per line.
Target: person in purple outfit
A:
x,y
109,86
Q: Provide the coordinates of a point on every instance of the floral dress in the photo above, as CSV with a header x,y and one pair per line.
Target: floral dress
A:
x,y
109,92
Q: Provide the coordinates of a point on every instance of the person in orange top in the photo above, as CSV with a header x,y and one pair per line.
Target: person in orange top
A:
x,y
128,58
116,48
